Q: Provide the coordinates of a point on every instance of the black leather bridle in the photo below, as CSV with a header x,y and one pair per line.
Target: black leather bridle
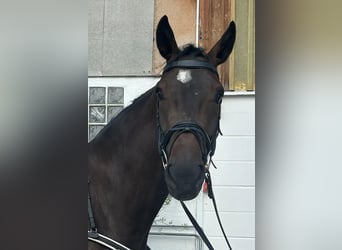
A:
x,y
190,64
207,143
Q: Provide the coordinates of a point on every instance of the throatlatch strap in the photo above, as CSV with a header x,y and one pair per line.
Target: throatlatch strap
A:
x,y
94,236
93,228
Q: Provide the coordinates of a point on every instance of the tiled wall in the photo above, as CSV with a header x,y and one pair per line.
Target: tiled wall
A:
x,y
104,104
108,96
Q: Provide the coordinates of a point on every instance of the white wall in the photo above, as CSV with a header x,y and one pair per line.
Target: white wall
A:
x,y
234,178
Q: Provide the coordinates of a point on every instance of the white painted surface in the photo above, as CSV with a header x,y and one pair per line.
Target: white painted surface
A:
x,y
133,86
233,180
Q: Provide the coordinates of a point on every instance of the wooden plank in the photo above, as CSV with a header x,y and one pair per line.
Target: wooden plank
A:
x,y
215,16
182,18
242,70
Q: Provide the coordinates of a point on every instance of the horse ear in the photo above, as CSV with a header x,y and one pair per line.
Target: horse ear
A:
x,y
166,41
222,49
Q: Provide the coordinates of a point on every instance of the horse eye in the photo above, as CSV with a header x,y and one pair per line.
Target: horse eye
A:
x,y
159,93
219,95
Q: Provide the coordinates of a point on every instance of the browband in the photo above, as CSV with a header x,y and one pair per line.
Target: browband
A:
x,y
190,64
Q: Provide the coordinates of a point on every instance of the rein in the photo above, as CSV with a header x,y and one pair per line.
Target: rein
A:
x,y
94,236
195,223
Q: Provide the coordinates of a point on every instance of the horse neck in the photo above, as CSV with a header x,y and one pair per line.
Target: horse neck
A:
x,y
138,127
130,141
126,165
134,122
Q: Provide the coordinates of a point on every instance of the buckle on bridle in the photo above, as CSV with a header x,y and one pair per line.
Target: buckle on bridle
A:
x,y
164,158
207,165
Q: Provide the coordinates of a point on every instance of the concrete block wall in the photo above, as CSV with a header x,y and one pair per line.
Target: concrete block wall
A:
x,y
234,178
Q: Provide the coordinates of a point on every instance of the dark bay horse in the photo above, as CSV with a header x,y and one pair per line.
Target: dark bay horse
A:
x,y
160,144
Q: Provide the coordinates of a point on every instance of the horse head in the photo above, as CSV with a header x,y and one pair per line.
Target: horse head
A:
x,y
189,96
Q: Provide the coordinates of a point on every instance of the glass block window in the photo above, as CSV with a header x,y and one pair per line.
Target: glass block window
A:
x,y
104,103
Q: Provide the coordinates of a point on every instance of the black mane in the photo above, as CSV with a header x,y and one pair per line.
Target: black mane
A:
x,y
191,50
136,102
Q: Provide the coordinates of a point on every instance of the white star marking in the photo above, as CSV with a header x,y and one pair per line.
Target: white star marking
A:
x,y
184,76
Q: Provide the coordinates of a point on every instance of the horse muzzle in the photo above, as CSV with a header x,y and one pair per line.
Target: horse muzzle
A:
x,y
184,183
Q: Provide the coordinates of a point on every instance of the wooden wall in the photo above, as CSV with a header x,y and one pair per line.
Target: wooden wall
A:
x,y
215,17
182,18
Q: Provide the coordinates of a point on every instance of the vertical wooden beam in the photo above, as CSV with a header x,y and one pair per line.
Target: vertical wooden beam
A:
x,y
215,16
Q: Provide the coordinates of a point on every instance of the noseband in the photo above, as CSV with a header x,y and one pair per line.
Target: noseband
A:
x,y
207,144
204,141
